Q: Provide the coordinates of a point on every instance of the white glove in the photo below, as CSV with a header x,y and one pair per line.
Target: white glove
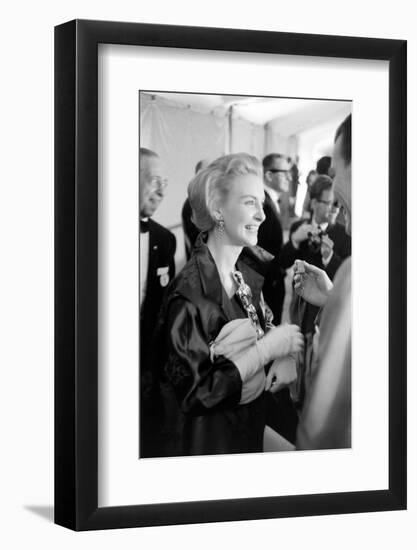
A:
x,y
281,374
249,363
278,342
281,341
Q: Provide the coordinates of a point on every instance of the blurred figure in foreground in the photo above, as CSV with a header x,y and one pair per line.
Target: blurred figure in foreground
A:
x,y
326,417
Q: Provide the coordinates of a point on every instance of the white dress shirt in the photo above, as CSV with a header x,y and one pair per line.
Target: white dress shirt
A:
x,y
274,195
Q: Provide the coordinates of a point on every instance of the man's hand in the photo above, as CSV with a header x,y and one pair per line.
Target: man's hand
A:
x,y
327,246
281,374
313,285
301,234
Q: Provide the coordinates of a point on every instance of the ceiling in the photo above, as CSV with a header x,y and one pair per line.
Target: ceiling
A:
x,y
293,114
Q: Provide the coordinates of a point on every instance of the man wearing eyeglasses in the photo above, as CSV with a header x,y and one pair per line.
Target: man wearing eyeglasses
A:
x,y
320,241
270,238
281,412
157,269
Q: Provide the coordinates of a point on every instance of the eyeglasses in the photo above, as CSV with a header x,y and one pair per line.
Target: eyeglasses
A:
x,y
158,182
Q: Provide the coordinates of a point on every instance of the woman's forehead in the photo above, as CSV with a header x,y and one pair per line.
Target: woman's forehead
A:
x,y
247,184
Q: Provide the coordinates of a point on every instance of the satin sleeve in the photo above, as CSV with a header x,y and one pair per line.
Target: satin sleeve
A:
x,y
200,384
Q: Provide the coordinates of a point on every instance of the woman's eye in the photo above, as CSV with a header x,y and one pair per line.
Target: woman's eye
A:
x,y
250,202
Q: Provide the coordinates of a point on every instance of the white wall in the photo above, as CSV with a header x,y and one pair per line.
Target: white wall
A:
x,y
26,398
313,144
276,142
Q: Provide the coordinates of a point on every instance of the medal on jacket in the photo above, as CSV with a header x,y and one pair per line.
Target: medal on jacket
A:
x,y
244,294
163,274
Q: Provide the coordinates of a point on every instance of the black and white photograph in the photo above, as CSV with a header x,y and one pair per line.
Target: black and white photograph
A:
x,y
244,274
230,334
208,277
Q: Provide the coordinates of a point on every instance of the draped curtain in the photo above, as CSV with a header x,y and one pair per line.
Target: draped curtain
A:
x,y
182,136
247,137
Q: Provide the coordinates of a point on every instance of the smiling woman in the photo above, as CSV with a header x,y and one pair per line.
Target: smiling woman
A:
x,y
242,211
215,351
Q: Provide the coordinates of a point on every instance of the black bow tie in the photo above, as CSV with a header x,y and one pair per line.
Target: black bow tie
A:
x,y
144,226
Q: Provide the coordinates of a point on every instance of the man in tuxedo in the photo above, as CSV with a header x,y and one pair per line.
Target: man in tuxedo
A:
x,y
282,416
275,168
320,241
157,269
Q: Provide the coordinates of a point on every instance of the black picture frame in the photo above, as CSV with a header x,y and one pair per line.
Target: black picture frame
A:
x,y
76,271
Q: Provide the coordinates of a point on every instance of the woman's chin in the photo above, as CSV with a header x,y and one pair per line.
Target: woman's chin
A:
x,y
251,240
246,239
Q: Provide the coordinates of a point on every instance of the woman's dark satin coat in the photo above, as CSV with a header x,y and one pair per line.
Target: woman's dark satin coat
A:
x,y
205,416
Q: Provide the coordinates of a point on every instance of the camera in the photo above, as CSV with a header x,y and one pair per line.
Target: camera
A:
x,y
314,240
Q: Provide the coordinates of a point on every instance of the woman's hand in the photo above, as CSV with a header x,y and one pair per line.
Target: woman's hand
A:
x,y
281,341
278,342
281,374
313,284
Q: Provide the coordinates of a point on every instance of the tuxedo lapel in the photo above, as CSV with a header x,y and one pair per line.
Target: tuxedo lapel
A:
x,y
153,257
335,236
273,206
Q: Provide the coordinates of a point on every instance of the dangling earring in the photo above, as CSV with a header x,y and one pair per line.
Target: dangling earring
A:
x,y
220,226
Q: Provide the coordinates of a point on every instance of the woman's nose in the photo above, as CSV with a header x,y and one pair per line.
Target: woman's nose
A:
x,y
260,215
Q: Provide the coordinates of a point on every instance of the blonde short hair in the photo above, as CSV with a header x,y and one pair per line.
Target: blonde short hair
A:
x,y
211,185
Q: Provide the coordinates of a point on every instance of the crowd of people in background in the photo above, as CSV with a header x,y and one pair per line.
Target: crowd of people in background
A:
x,y
219,370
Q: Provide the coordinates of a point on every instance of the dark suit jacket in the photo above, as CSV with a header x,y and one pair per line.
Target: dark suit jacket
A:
x,y
341,250
270,239
162,245
302,313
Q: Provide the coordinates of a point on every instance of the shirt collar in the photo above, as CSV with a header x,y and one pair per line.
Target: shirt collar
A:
x,y
323,226
272,193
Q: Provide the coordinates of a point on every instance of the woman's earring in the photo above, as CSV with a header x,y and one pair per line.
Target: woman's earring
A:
x,y
220,226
